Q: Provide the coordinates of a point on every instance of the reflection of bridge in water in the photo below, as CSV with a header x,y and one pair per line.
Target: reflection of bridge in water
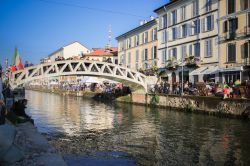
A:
x,y
134,79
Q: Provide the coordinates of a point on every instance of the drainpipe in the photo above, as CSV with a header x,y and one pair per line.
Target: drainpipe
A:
x,y
218,27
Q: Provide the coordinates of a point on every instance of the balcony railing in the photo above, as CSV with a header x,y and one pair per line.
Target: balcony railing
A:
x,y
192,61
172,65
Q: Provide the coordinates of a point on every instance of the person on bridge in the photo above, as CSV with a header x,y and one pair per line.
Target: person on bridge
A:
x,y
13,68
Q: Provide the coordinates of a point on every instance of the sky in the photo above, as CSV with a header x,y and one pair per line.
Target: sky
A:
x,y
39,27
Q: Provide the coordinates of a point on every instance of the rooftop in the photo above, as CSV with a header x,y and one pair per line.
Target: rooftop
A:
x,y
166,5
103,52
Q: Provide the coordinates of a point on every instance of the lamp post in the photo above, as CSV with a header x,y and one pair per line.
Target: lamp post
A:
x,y
182,74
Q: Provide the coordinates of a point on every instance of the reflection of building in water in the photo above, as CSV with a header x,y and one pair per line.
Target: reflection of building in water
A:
x,y
57,111
97,119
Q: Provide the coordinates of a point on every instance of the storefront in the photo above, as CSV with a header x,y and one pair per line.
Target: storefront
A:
x,y
232,74
205,73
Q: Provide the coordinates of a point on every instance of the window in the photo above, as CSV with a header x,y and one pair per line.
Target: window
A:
x,y
174,17
245,4
154,34
184,30
208,48
197,49
190,50
172,54
164,21
195,6
233,25
154,52
184,51
183,13
129,43
136,40
146,54
164,36
230,6
210,23
245,50
196,26
164,56
208,5
174,33
145,37
231,52
137,56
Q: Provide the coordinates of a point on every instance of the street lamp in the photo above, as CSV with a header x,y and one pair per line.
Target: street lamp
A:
x,y
182,74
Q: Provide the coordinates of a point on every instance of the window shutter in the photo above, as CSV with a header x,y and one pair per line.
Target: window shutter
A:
x,y
179,32
142,55
244,50
152,52
211,47
203,25
169,19
212,22
225,29
190,29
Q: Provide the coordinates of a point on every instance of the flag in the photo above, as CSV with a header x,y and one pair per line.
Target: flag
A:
x,y
17,59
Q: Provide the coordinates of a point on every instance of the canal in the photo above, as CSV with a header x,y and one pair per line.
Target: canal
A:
x,y
94,133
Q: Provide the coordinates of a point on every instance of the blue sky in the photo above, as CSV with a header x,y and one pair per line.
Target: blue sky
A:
x,y
39,27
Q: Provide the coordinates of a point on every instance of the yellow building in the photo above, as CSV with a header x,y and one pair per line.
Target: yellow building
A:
x,y
234,37
137,48
188,33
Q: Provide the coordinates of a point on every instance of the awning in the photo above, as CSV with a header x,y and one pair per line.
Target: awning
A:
x,y
198,71
211,70
231,69
205,70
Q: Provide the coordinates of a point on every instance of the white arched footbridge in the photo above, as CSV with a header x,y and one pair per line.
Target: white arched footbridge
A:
x,y
134,79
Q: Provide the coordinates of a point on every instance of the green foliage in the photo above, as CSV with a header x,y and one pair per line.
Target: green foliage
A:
x,y
155,100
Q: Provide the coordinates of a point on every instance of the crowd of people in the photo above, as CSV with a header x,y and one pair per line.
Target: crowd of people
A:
x,y
226,90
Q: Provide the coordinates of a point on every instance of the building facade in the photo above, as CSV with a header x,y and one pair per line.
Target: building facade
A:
x,y
103,54
188,36
137,48
74,49
234,37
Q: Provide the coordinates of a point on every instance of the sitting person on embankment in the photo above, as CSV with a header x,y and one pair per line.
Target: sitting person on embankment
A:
x,y
17,114
19,109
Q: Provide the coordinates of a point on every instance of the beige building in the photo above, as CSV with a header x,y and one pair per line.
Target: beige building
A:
x,y
234,37
74,49
188,35
137,48
103,55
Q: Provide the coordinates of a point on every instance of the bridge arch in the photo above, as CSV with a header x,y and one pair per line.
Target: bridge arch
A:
x,y
134,79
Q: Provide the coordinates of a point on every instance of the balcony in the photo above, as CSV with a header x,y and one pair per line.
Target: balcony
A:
x,y
172,64
227,37
192,61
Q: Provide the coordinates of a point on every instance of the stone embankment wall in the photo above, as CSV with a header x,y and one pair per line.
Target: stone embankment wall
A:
x,y
211,105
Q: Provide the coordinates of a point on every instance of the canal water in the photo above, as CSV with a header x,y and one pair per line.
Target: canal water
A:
x,y
87,132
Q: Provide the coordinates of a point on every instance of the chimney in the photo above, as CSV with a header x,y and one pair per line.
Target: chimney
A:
x,y
145,21
151,18
141,22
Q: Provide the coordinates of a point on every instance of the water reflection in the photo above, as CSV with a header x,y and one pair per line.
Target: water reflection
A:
x,y
152,136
